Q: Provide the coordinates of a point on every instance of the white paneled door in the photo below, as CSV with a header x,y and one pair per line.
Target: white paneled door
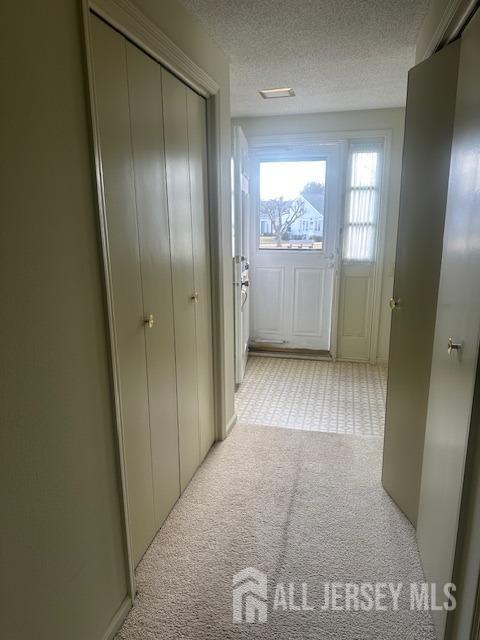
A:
x,y
294,248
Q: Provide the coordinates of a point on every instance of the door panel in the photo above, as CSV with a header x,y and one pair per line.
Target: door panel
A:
x,y
426,161
178,189
308,298
111,89
197,144
355,311
145,96
242,251
268,290
458,316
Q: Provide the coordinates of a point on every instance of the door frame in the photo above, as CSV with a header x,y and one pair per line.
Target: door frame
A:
x,y
265,144
128,20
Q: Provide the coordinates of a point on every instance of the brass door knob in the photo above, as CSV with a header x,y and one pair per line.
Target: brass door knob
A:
x,y
394,303
149,321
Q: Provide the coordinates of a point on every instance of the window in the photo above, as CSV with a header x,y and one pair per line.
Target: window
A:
x,y
362,203
292,204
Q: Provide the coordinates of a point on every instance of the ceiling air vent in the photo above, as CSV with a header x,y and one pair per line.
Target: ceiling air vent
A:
x,y
284,92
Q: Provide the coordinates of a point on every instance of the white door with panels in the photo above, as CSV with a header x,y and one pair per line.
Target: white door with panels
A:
x,y
294,247
241,240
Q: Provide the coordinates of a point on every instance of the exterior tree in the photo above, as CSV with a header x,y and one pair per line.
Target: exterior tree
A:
x,y
282,214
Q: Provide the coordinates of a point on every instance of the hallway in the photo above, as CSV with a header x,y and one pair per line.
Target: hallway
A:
x,y
299,506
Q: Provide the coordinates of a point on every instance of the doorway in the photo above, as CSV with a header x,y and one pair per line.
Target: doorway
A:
x,y
294,248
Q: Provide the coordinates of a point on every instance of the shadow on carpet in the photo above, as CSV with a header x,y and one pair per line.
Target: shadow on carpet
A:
x,y
303,508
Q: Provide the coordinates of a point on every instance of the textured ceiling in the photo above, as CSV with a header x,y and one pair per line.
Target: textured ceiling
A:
x,y
336,54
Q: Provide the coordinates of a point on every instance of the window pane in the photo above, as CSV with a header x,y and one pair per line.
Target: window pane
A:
x,y
360,242
292,204
364,169
362,206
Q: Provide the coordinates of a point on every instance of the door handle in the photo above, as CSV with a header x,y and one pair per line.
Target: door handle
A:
x,y
149,321
194,296
453,346
394,303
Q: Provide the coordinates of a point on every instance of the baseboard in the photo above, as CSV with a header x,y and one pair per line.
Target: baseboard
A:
x,y
118,619
288,355
230,424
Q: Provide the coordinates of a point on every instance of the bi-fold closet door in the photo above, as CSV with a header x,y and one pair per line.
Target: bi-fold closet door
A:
x,y
152,141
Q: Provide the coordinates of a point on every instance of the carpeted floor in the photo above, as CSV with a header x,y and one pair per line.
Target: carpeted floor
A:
x,y
300,506
340,397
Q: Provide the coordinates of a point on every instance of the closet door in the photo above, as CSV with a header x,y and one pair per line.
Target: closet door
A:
x,y
426,161
197,145
178,189
454,378
146,114
111,93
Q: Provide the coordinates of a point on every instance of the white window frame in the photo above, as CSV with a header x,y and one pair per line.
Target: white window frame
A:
x,y
298,155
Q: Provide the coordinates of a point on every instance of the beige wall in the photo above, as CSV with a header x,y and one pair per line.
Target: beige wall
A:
x,y
392,119
63,572
63,569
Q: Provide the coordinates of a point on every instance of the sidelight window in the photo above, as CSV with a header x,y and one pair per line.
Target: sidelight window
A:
x,y
362,203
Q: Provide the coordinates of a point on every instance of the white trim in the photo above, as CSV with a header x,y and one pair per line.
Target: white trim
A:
x,y
288,140
133,24
442,27
380,248
342,177
449,25
117,619
453,20
215,179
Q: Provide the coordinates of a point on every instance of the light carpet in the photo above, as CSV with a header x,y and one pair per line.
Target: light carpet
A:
x,y
340,397
300,506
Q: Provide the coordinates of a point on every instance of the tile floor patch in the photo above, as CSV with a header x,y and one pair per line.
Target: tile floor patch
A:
x,y
337,397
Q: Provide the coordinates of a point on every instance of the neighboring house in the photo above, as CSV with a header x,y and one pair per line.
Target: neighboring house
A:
x,y
309,226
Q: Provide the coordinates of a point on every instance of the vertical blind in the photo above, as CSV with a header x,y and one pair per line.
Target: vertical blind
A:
x,y
362,203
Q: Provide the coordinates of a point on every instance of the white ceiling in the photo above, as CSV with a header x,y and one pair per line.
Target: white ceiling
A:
x,y
336,54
